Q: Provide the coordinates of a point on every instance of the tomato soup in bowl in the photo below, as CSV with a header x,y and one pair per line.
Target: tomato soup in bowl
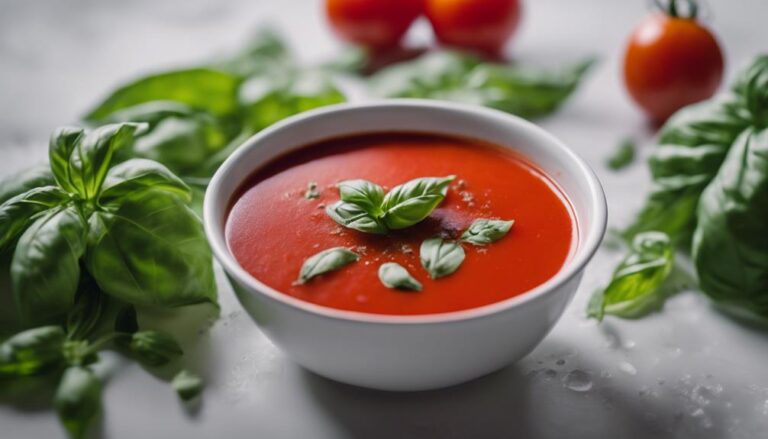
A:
x,y
404,245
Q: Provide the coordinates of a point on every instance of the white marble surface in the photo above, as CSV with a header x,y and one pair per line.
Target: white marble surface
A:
x,y
686,372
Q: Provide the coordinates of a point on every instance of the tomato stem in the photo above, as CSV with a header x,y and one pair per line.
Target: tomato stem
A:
x,y
673,9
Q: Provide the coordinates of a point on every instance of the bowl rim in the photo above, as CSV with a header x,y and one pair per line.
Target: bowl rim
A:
x,y
593,234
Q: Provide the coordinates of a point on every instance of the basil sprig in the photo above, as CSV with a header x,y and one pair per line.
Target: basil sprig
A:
x,y
364,206
326,261
485,231
440,257
394,275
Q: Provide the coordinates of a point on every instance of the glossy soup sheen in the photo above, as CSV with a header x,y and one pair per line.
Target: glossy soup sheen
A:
x,y
272,228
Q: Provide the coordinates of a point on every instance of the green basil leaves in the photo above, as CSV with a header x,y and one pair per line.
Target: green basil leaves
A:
x,y
154,348
485,231
78,400
31,352
326,261
365,207
394,275
440,257
187,385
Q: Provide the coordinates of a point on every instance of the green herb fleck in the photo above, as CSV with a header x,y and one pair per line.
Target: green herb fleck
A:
x,y
623,156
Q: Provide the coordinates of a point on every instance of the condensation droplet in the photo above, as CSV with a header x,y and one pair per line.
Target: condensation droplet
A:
x,y
578,381
627,368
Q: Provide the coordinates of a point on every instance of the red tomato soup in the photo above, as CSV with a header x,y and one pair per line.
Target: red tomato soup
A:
x,y
273,227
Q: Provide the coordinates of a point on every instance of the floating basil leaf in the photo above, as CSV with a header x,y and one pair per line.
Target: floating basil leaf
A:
x,y
635,287
151,251
22,181
187,385
45,269
730,245
154,348
32,352
485,231
409,203
394,275
369,196
18,212
78,400
205,89
135,177
326,261
355,217
440,258
623,156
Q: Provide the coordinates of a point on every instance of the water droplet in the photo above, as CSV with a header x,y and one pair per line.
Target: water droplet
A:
x,y
578,381
627,368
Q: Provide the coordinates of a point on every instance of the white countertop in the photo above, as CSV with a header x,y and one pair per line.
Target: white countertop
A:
x,y
687,371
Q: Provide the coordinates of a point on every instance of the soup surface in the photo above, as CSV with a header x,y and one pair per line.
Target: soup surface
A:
x,y
273,227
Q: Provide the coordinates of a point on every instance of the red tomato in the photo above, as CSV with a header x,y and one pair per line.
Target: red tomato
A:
x,y
482,25
378,24
671,62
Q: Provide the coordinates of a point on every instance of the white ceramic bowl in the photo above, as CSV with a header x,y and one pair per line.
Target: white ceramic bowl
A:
x,y
409,352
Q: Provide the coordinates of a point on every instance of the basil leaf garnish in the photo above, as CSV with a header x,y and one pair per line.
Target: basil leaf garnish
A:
x,y
363,193
485,231
325,261
355,217
440,258
394,275
411,202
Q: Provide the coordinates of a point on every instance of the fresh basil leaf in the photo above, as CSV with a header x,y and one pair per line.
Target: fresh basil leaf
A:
x,y
20,182
485,231
326,261
92,156
78,400
464,78
265,54
751,86
187,385
63,142
355,217
692,146
634,289
154,348
394,275
409,203
363,193
45,269
441,258
151,251
32,352
269,99
730,245
204,89
88,310
623,156
135,177
18,212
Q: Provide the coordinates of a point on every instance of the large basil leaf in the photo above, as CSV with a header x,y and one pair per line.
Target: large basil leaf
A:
x,y
464,78
45,268
92,156
635,287
411,202
78,400
20,182
205,89
136,177
355,217
151,251
270,98
692,146
363,193
32,352
18,212
752,89
62,144
730,246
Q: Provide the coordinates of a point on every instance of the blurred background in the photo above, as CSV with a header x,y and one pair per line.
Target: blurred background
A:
x,y
686,373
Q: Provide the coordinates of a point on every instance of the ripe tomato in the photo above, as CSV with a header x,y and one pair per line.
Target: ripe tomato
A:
x,y
481,25
671,62
378,24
